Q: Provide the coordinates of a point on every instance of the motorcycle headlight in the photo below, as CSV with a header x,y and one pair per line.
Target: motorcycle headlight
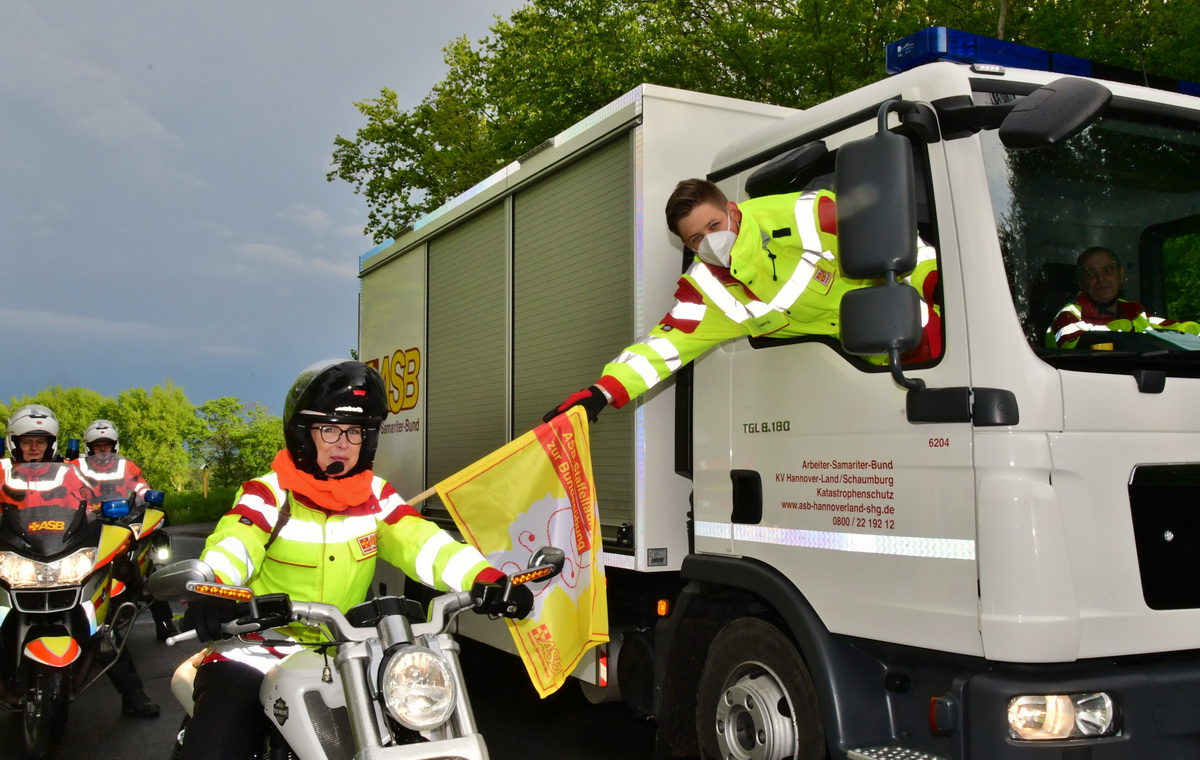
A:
x,y
20,571
418,690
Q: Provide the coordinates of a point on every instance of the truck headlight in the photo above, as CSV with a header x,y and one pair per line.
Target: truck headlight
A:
x,y
1035,717
418,689
19,571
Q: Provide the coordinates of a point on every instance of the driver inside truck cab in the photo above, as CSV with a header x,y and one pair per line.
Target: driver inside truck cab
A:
x,y
1099,308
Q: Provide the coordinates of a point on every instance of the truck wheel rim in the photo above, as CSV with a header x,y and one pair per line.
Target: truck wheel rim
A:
x,y
754,718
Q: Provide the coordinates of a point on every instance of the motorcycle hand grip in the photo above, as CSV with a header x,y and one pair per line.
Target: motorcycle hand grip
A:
x,y
232,627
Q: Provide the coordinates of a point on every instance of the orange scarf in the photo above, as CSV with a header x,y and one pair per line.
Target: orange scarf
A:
x,y
334,495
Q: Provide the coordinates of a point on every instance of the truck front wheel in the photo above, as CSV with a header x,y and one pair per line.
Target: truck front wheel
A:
x,y
756,699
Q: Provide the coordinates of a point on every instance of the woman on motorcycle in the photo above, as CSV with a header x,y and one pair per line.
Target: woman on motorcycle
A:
x,y
311,528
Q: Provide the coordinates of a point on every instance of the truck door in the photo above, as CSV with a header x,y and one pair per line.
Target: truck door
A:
x,y
804,458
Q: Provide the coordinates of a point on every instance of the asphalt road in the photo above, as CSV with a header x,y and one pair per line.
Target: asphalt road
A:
x,y
515,723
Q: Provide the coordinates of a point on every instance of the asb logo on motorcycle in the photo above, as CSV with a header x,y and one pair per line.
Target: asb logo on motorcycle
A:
x,y
57,526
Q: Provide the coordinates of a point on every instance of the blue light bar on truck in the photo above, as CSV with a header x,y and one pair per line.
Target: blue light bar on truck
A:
x,y
940,43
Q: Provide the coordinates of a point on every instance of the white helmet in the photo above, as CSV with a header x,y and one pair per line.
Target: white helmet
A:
x,y
33,419
100,430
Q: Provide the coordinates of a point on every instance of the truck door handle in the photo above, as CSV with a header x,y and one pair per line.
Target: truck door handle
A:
x,y
747,497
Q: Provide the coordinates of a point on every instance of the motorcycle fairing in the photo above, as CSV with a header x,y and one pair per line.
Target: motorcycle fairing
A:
x,y
55,651
114,540
152,520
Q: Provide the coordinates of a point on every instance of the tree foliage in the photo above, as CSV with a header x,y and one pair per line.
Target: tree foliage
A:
x,y
555,61
235,443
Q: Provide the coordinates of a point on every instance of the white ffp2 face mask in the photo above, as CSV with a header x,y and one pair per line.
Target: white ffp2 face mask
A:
x,y
717,247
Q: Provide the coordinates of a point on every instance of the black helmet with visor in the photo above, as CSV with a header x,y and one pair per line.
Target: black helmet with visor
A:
x,y
338,393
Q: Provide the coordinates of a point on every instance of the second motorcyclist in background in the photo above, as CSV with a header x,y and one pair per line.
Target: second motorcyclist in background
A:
x,y
32,435
312,528
116,477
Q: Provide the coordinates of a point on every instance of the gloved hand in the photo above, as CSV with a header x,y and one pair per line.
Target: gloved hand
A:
x,y
489,599
205,616
1119,325
592,399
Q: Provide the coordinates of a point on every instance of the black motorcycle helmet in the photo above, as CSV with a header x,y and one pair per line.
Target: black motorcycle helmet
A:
x,y
337,392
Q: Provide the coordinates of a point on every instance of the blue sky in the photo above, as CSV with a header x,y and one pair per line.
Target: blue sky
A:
x,y
164,213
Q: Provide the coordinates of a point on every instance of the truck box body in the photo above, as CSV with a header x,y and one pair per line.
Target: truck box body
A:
x,y
484,315
935,560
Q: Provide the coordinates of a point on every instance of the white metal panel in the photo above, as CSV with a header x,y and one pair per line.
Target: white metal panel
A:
x,y
1091,473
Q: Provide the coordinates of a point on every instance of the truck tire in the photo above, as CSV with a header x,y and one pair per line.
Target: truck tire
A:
x,y
756,699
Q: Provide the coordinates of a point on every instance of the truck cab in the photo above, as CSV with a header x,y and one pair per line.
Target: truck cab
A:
x,y
995,553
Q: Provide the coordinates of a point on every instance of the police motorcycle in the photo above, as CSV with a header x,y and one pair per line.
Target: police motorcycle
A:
x,y
59,627
399,693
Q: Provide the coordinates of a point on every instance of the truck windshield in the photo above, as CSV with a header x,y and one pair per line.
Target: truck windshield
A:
x,y
1125,192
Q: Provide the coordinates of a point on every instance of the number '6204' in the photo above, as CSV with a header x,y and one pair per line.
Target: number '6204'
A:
x,y
939,443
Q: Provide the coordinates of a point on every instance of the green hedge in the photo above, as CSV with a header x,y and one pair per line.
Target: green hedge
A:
x,y
187,507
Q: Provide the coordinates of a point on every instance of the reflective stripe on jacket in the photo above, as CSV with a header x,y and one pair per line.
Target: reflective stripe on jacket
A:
x,y
114,479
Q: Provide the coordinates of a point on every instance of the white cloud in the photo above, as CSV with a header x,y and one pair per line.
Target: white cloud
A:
x,y
58,324
315,220
263,258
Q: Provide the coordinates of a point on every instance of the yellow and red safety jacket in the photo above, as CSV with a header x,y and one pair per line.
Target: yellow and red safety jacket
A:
x,y
783,281
320,555
112,477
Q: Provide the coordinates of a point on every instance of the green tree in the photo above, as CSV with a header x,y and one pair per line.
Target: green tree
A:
x,y
235,443
555,61
154,427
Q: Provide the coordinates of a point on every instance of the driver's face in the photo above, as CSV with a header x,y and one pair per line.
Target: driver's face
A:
x,y
1101,277
33,447
102,447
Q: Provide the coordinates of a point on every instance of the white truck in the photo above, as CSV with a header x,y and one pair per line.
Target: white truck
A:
x,y
994,554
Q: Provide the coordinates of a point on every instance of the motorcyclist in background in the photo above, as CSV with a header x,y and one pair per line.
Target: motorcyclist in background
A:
x,y
117,477
31,436
312,528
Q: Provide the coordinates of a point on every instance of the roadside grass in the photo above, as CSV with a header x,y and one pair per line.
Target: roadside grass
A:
x,y
187,507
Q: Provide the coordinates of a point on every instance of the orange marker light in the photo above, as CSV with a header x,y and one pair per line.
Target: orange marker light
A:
x,y
236,593
663,608
532,575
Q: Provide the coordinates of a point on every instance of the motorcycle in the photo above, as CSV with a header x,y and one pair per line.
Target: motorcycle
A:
x,y
150,545
145,519
59,630
400,694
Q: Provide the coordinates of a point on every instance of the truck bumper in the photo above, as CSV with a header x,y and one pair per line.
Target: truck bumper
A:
x,y
1157,709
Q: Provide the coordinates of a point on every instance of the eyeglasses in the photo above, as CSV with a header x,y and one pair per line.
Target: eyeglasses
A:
x,y
331,434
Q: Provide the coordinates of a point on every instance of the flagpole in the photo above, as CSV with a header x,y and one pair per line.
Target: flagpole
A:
x,y
422,496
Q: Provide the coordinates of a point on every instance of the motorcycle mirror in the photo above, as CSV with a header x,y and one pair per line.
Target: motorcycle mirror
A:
x,y
546,563
549,555
171,582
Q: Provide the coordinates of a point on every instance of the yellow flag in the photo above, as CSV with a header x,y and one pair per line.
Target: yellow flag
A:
x,y
538,491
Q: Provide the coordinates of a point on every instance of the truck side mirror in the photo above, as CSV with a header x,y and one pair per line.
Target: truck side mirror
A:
x,y
1054,113
876,206
880,319
877,239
